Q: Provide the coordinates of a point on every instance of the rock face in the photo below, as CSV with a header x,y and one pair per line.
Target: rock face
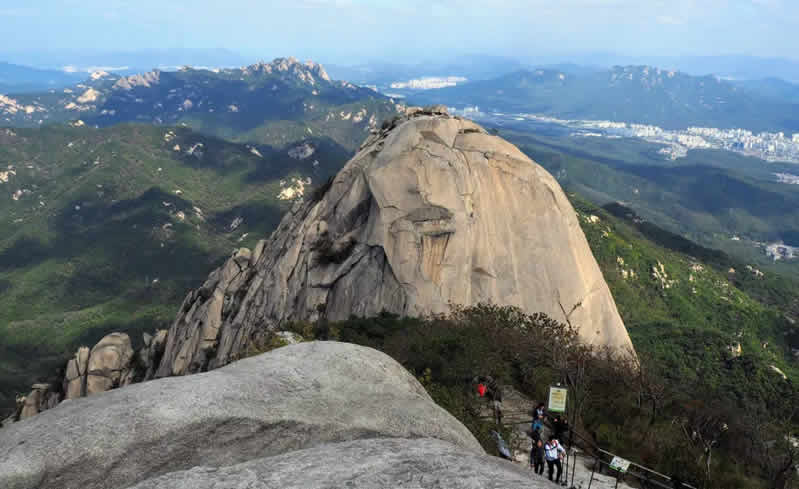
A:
x,y
109,363
42,397
193,336
367,464
431,211
288,400
75,376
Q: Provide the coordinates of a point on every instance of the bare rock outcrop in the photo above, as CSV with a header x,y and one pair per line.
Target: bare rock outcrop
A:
x,y
149,356
365,464
432,211
194,335
75,375
41,397
109,364
290,399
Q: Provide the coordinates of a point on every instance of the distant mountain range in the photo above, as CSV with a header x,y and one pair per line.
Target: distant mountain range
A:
x,y
270,103
738,67
639,94
773,88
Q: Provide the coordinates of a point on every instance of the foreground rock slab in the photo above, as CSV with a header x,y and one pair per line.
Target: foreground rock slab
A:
x,y
289,399
366,464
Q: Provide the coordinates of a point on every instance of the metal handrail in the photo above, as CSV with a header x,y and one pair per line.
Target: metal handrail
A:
x,y
611,454
599,449
647,469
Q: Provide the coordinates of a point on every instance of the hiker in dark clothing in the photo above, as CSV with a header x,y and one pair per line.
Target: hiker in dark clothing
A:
x,y
494,393
560,425
537,457
490,389
535,434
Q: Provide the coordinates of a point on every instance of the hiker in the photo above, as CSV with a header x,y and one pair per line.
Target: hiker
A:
x,y
535,433
539,412
553,453
490,389
502,448
494,393
561,426
538,418
537,457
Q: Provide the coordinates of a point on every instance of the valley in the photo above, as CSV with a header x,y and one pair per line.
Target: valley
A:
x,y
118,195
105,229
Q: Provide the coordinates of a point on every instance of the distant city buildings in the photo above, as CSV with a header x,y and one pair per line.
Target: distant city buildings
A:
x,y
780,251
428,83
765,145
787,178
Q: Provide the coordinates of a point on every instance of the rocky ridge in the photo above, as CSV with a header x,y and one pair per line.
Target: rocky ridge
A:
x,y
223,102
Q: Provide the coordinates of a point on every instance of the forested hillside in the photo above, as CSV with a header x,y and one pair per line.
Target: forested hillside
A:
x,y
104,230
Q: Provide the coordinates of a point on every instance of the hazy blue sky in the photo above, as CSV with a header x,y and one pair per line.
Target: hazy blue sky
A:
x,y
353,30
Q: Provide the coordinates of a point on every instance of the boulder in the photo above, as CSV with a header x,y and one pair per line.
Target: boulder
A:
x,y
289,399
366,464
75,375
41,398
109,363
432,211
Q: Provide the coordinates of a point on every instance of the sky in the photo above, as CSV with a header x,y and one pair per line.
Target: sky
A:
x,y
352,31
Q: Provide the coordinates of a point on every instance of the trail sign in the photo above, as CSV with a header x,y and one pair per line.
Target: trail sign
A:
x,y
557,399
620,464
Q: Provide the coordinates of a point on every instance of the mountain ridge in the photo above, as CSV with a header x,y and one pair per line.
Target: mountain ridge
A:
x,y
639,94
257,103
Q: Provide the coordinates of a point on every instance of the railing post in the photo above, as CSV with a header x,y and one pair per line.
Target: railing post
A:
x,y
593,469
574,466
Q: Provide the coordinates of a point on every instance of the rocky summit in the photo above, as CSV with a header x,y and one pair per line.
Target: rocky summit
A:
x,y
316,414
432,211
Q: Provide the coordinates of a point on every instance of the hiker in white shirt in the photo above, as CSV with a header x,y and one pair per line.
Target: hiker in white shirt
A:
x,y
553,453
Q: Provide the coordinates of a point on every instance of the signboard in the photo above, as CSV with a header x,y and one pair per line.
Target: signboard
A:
x,y
620,464
557,399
